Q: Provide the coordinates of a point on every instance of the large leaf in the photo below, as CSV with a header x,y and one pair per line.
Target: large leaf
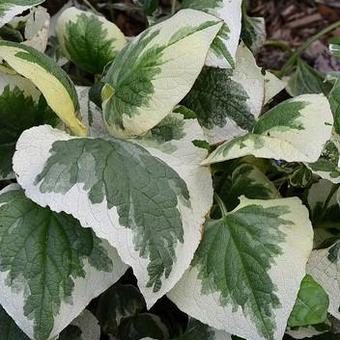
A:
x,y
10,8
50,79
153,73
50,267
227,102
324,266
89,40
295,131
17,93
223,51
239,280
147,203
311,305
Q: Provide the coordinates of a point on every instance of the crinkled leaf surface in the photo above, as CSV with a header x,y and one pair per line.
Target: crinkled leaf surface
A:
x,y
147,203
89,40
311,305
17,93
239,280
155,71
10,8
295,131
50,267
323,265
223,51
49,78
227,102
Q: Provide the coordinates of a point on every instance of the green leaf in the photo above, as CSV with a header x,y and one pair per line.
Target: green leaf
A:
x,y
253,32
89,40
143,325
225,102
239,280
301,177
311,305
335,49
323,265
328,165
306,80
117,303
8,329
148,202
16,94
247,180
155,71
10,8
223,50
295,131
334,99
45,258
49,78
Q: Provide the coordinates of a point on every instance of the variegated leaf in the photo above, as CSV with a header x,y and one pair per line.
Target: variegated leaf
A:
x,y
147,203
272,86
88,40
253,32
239,280
223,50
155,71
228,102
17,93
328,165
324,266
295,131
49,78
50,267
10,8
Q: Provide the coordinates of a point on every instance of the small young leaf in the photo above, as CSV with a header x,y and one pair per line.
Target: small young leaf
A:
x,y
50,267
143,325
147,203
10,8
239,280
295,131
227,102
247,180
328,165
152,74
311,305
253,32
88,40
307,80
118,302
223,50
50,79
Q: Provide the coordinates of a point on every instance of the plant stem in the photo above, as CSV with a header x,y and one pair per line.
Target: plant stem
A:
x,y
88,4
283,45
292,60
220,204
173,7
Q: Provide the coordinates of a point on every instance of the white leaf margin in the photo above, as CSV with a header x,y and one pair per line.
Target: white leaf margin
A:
x,y
33,151
85,289
287,273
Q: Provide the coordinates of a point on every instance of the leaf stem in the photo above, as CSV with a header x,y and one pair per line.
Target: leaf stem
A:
x,y
88,4
220,204
292,60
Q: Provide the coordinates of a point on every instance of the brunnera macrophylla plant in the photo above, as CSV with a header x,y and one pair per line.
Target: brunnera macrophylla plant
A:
x,y
175,163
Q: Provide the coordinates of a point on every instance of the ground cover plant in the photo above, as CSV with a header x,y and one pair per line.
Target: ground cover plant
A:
x,y
164,186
